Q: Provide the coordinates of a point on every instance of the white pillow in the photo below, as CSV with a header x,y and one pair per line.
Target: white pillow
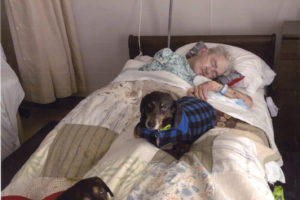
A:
x,y
257,73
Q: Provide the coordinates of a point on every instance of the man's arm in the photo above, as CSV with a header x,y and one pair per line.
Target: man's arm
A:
x,y
201,90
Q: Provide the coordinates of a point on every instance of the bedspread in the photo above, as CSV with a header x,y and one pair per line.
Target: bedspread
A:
x,y
135,169
222,155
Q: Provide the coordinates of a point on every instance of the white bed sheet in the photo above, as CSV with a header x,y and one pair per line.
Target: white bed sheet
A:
x,y
12,95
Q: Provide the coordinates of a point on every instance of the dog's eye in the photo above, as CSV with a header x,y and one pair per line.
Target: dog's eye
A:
x,y
164,108
102,191
150,105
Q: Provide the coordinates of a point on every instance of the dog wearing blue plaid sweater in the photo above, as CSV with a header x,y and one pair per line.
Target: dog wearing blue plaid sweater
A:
x,y
174,125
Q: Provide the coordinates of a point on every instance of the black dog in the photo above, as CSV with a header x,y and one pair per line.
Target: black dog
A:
x,y
87,189
173,125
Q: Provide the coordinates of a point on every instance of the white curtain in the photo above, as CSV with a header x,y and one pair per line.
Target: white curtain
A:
x,y
47,50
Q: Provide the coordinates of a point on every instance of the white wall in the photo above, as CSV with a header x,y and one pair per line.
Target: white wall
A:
x,y
104,25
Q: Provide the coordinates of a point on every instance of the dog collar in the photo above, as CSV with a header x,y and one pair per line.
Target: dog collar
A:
x,y
170,132
182,126
166,127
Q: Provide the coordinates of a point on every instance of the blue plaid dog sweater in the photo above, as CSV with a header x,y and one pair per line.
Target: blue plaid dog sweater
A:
x,y
198,116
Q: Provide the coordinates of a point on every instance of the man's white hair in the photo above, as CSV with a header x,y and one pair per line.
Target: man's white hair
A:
x,y
221,50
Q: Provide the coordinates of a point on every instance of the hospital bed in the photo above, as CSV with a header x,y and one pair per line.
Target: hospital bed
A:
x,y
234,160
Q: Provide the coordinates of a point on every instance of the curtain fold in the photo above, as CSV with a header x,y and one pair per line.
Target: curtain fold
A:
x,y
47,49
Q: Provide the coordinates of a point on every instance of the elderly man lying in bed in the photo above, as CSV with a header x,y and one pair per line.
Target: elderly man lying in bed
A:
x,y
208,62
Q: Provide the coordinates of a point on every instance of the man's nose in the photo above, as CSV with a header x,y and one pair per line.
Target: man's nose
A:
x,y
209,71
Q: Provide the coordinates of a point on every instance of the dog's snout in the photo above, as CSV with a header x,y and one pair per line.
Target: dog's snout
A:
x,y
151,124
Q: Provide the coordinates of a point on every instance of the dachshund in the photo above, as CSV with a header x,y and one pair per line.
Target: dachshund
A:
x,y
173,125
158,109
87,189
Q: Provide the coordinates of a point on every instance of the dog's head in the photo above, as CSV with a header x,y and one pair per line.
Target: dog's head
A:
x,y
158,109
87,189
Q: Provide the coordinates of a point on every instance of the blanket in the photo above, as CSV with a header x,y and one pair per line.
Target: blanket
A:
x,y
133,168
220,156
96,139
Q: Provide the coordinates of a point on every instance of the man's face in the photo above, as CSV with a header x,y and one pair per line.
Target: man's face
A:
x,y
210,65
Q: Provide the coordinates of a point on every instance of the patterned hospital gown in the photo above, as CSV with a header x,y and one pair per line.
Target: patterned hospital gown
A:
x,y
167,60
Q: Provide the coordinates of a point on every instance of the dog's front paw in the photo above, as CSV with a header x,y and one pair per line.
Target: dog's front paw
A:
x,y
137,130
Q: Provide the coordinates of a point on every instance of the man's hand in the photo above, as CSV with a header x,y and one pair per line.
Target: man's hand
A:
x,y
201,90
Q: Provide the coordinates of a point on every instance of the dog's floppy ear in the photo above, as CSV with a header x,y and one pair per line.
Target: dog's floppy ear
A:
x,y
177,112
137,130
108,190
142,105
102,183
143,111
174,106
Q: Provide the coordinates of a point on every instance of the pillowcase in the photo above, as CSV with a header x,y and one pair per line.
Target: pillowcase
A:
x,y
257,73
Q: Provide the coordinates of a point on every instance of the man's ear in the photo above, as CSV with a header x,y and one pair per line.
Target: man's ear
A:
x,y
202,51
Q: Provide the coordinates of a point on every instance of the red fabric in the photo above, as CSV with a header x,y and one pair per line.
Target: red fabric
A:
x,y
14,197
235,81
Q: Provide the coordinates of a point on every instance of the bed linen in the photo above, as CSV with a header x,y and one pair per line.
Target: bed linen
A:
x,y
12,95
135,169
